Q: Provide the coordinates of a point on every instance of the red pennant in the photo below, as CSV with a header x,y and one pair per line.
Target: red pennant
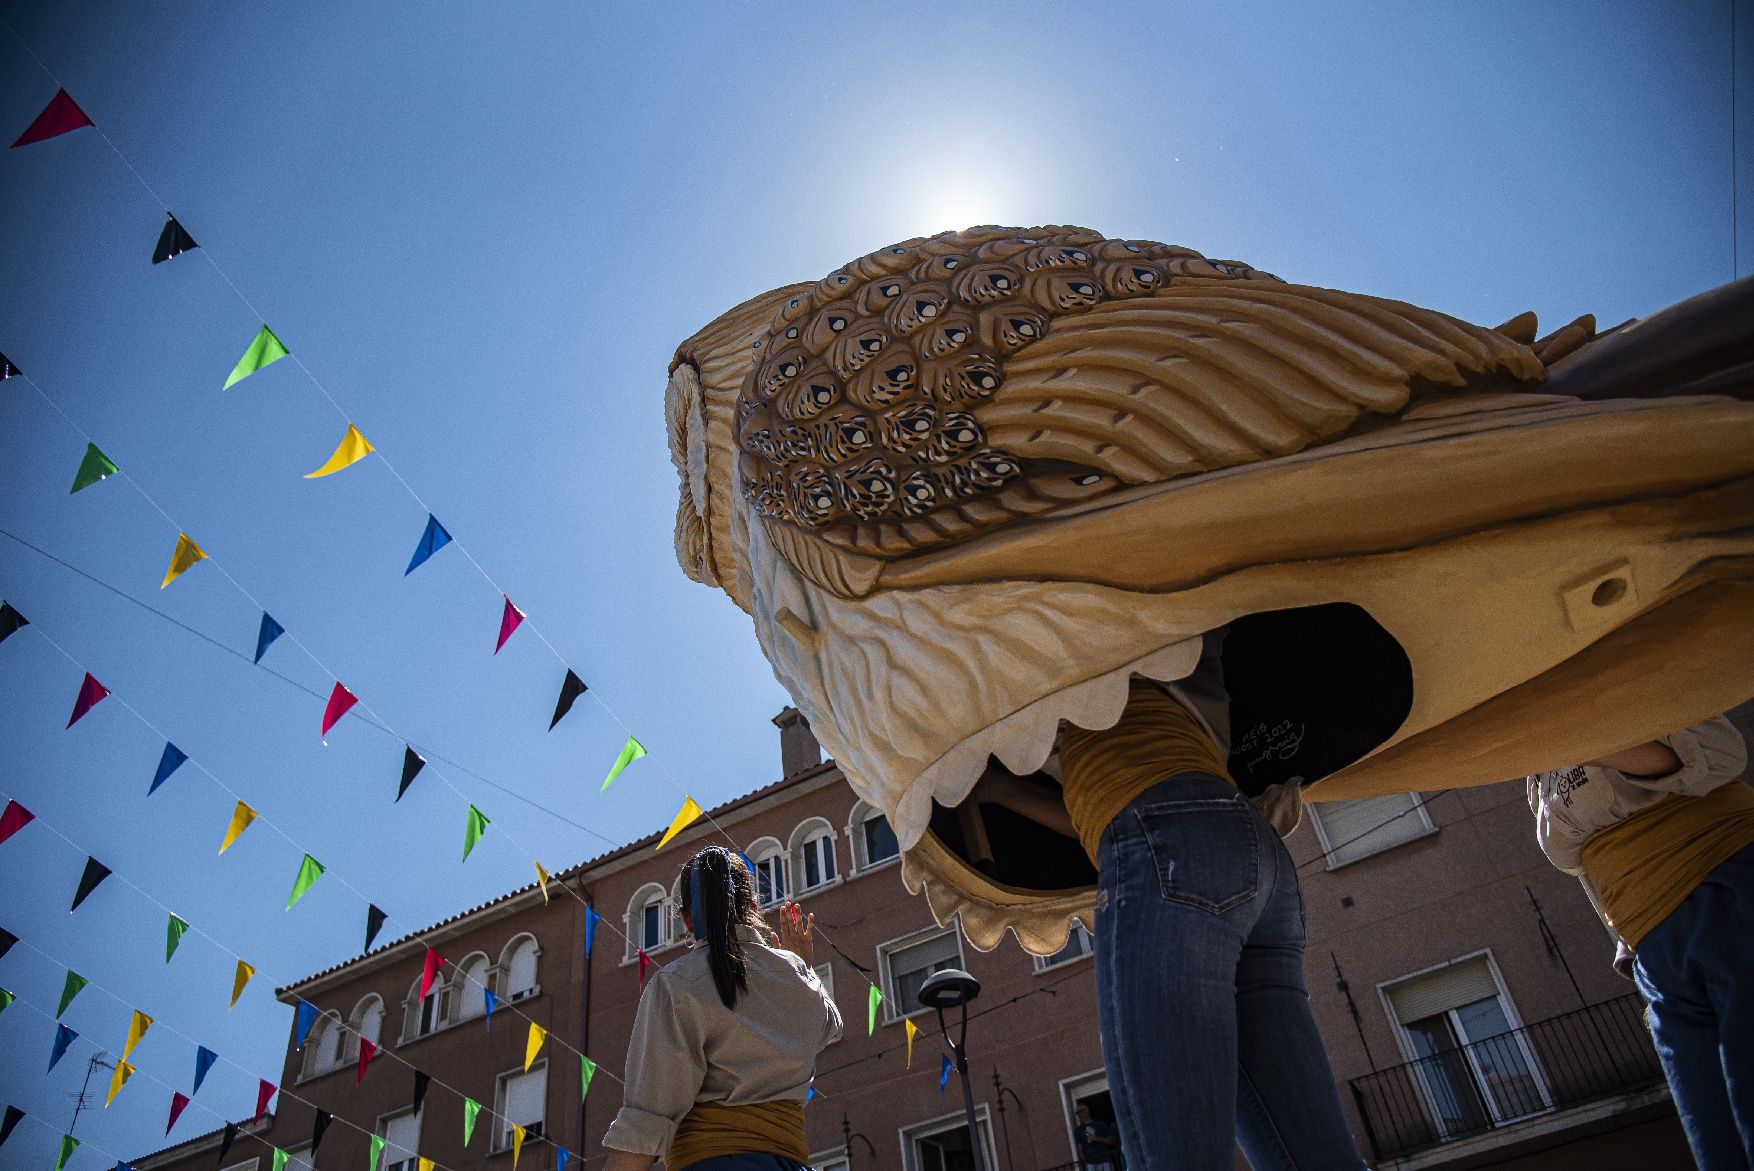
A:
x,y
90,692
367,1050
509,620
264,1092
14,819
429,973
178,1101
340,700
58,117
645,963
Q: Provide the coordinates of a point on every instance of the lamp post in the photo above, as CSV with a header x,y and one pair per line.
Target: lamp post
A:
x,y
848,1134
954,988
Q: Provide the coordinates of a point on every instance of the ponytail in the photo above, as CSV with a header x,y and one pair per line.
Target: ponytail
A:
x,y
721,895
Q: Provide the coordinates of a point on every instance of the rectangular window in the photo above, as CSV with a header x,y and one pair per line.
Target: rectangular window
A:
x,y
1078,945
880,843
401,1142
943,1145
521,1099
818,855
770,879
1350,830
651,924
907,963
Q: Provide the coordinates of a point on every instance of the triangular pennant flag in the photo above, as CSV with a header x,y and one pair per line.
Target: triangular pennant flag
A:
x,y
912,1029
943,1077
7,369
7,939
168,763
13,1117
265,637
367,1050
871,1003
570,689
340,699
94,467
264,1091
64,1037
95,872
353,448
431,541
228,1137
241,817
587,1071
308,872
173,935
591,918
374,922
645,963
15,818
69,990
124,1071
429,971
533,1044
179,1101
630,752
11,621
173,241
422,1163
122,1166
6,999
279,1161
473,829
69,1144
810,1094
91,693
238,980
510,619
561,1155
137,1026
491,1002
303,1017
265,350
58,117
542,877
377,1151
686,816
204,1059
471,1108
319,1126
517,1145
412,763
186,555
420,1082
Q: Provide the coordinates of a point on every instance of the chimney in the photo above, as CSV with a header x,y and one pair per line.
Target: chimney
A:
x,y
798,747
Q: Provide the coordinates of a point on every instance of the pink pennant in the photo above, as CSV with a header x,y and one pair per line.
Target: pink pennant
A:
x,y
264,1092
178,1101
645,963
367,1050
340,700
90,692
58,117
509,620
429,973
14,819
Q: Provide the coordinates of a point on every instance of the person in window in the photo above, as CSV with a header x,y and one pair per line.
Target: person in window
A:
x,y
725,1040
1206,1025
1662,836
1098,1147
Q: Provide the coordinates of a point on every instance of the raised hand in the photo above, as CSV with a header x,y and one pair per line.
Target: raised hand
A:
x,y
797,932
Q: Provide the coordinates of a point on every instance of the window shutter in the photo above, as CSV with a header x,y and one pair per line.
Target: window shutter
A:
x,y
521,976
401,1138
1355,829
1448,988
525,1099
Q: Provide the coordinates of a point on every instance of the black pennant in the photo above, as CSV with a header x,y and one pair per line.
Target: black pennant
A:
x,y
570,689
420,1080
7,939
225,1141
412,763
95,872
317,1128
7,369
13,1114
10,621
173,241
374,922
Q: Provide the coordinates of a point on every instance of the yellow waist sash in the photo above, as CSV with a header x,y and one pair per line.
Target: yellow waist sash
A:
x,y
764,1128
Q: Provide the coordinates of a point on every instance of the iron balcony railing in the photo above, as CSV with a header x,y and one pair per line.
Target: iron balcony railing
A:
x,y
1564,1061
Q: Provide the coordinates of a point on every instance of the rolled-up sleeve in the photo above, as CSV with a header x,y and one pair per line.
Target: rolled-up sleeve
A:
x,y
666,1062
1712,753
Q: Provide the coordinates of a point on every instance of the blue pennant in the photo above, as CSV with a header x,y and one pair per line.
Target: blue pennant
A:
x,y
943,1077
64,1037
305,1017
204,1059
270,631
431,541
172,760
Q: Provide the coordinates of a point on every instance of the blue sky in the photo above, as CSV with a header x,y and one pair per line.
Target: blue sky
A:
x,y
483,230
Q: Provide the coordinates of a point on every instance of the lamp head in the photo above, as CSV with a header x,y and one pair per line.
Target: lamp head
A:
x,y
949,988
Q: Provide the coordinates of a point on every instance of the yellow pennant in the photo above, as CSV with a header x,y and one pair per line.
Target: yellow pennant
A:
x,y
124,1071
425,1164
517,1145
238,981
533,1046
187,553
542,876
911,1030
136,1030
241,817
353,449
684,818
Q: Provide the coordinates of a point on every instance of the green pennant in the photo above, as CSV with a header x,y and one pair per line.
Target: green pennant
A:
x,y
68,1143
264,351
587,1068
308,872
69,990
630,752
279,1159
173,935
470,1109
871,1003
94,467
472,832
6,998
377,1150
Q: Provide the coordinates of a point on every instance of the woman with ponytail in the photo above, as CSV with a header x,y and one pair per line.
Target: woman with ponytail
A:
x,y
725,1041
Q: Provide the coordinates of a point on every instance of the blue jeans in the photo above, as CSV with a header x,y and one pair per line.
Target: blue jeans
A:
x,y
1696,971
1206,1025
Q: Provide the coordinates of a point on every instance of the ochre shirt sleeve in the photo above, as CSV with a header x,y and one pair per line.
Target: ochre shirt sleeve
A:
x,y
666,1063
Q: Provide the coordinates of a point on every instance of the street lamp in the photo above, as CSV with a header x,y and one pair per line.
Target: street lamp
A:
x,y
954,988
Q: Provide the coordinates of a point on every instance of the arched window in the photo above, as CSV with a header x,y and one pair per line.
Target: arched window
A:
x,y
470,997
517,968
648,921
813,855
770,871
422,1016
367,1021
325,1045
873,841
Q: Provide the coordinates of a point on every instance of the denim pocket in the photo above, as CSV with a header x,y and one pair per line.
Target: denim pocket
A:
x,y
1206,852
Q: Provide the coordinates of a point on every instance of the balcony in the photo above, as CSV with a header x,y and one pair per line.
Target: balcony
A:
x,y
1550,1066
